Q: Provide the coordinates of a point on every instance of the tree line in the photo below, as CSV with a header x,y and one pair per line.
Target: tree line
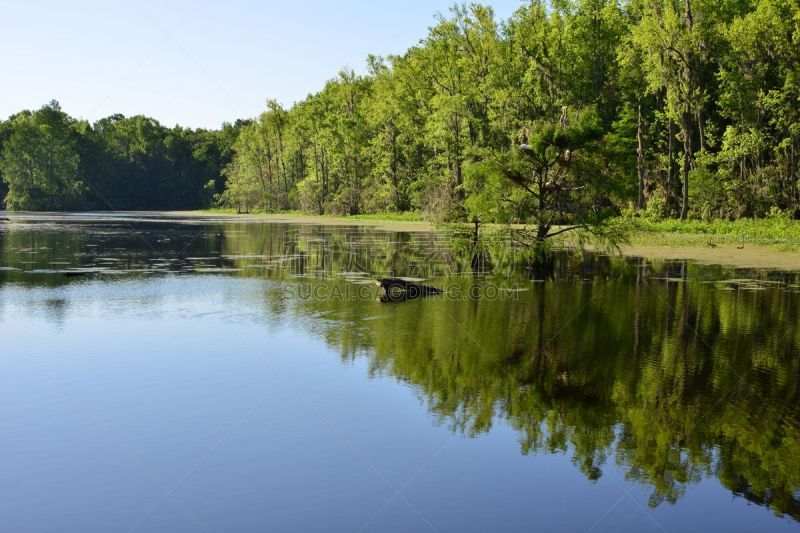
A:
x,y
51,161
568,112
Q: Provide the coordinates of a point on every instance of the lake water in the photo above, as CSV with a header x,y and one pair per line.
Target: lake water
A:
x,y
168,374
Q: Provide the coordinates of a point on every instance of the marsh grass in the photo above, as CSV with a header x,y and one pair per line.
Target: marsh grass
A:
x,y
406,216
776,232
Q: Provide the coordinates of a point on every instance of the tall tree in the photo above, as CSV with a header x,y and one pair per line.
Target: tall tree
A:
x,y
669,41
39,164
550,180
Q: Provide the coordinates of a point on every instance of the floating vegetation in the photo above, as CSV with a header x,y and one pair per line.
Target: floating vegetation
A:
x,y
750,284
354,255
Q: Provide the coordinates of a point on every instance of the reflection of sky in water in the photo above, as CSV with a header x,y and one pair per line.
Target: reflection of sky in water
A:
x,y
226,400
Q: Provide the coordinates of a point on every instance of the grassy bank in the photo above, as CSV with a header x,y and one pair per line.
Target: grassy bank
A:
x,y
771,243
408,216
763,243
766,243
776,233
410,221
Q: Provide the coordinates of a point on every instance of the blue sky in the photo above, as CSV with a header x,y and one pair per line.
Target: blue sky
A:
x,y
196,63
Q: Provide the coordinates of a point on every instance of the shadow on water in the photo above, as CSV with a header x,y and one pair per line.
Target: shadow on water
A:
x,y
675,371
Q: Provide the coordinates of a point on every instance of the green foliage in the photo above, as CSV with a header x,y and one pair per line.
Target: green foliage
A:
x,y
50,161
552,180
136,163
776,229
407,216
39,162
435,129
657,208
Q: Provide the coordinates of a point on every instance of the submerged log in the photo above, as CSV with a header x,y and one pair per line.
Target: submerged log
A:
x,y
398,290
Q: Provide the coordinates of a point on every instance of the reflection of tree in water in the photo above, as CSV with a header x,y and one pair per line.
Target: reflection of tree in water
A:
x,y
608,360
675,381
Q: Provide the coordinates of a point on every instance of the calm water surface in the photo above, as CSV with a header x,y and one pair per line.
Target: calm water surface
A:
x,y
162,374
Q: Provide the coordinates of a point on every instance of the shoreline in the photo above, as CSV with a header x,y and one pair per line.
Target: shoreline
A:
x,y
296,218
752,256
729,250
738,251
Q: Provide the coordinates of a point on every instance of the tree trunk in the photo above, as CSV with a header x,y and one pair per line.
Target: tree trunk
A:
x,y
541,232
597,60
325,180
319,173
701,129
457,163
269,177
640,156
395,180
686,115
670,168
793,178
687,157
542,228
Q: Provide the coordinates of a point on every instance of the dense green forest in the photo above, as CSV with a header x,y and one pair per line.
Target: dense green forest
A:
x,y
569,111
51,161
